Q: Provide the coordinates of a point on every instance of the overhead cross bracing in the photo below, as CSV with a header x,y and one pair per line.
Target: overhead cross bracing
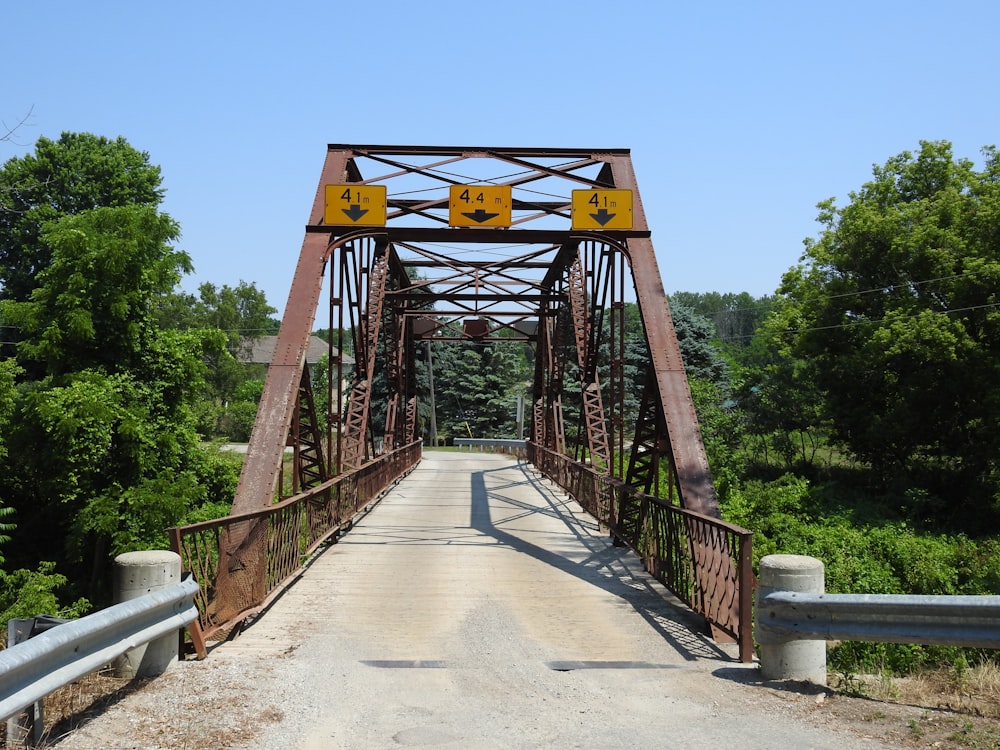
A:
x,y
483,244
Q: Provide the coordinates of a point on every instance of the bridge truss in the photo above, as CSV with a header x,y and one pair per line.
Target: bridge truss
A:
x,y
431,259
546,248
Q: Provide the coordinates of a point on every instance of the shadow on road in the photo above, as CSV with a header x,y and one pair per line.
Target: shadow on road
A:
x,y
613,569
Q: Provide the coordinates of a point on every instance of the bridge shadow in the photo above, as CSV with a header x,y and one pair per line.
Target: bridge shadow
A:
x,y
616,570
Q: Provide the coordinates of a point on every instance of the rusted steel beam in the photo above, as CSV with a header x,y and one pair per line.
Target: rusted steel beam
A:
x,y
514,151
307,440
593,406
474,297
359,405
256,487
475,235
687,448
396,375
436,263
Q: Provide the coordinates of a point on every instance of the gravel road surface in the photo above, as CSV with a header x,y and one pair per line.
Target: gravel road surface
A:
x,y
475,607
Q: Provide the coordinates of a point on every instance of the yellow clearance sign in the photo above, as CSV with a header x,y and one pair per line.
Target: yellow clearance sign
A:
x,y
602,209
355,205
479,206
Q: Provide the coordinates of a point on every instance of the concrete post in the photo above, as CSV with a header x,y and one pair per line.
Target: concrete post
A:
x,y
781,658
137,574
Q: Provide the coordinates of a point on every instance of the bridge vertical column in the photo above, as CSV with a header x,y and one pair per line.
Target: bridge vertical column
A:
x,y
593,406
395,346
307,440
359,403
555,434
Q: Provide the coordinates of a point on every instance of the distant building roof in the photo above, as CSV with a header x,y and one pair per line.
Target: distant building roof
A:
x,y
262,351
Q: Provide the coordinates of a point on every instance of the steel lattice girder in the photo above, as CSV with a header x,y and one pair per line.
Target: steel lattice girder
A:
x,y
417,266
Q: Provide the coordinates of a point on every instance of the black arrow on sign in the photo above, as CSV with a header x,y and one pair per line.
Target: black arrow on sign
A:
x,y
602,217
479,216
355,212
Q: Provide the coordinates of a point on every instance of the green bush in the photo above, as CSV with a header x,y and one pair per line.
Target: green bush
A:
x,y
866,549
27,593
237,422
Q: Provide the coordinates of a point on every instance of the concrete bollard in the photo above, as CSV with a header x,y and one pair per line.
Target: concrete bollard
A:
x,y
137,574
780,658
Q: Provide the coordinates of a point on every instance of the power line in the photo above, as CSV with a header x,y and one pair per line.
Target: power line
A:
x,y
866,321
873,290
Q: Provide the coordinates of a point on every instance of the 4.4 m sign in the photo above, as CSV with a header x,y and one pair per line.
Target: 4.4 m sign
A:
x,y
479,206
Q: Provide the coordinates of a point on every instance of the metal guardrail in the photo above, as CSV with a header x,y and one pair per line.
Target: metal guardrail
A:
x,y
889,618
242,562
37,667
516,448
704,561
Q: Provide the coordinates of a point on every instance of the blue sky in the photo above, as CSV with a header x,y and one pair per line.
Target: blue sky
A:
x,y
740,116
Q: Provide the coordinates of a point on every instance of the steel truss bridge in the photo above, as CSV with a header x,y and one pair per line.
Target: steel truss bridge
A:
x,y
425,244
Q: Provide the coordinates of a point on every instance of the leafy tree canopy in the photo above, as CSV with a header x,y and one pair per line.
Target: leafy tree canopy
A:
x,y
695,337
80,171
91,307
103,454
895,311
736,316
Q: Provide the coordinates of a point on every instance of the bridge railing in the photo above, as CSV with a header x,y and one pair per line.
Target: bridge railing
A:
x,y
242,562
704,561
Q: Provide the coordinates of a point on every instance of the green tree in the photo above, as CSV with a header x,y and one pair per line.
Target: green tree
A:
x,y
696,339
895,310
8,403
240,315
78,172
243,313
91,308
736,317
103,454
477,386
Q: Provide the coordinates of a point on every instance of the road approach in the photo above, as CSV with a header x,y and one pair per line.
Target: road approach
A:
x,y
475,607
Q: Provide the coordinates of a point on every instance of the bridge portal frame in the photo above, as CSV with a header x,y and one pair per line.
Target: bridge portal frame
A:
x,y
415,279
375,299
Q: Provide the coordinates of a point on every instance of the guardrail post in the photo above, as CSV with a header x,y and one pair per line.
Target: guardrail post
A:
x,y
137,574
782,658
25,729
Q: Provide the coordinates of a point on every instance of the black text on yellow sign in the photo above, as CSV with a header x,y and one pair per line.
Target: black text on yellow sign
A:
x,y
479,206
355,205
602,209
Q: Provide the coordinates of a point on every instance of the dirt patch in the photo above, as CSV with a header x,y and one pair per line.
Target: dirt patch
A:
x,y
220,708
930,711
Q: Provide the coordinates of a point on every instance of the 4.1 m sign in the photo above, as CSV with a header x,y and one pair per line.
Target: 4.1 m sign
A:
x,y
355,205
602,209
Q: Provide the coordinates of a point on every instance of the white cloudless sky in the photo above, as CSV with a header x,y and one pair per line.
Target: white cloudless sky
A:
x,y
740,116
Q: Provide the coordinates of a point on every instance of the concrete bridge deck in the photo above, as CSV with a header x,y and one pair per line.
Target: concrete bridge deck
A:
x,y
475,607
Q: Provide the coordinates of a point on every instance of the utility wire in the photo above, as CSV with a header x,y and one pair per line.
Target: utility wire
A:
x,y
865,321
